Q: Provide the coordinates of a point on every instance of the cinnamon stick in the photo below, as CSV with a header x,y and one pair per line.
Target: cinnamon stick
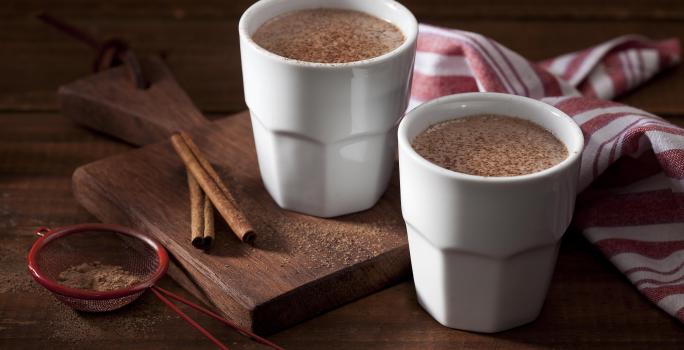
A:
x,y
208,212
196,212
213,186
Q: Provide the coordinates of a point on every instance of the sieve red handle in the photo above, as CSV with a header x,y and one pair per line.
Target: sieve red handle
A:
x,y
162,293
42,231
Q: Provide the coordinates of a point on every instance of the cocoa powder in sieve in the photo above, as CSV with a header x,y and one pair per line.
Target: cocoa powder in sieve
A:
x,y
98,277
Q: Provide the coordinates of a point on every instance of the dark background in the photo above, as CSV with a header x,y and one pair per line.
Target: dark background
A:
x,y
590,305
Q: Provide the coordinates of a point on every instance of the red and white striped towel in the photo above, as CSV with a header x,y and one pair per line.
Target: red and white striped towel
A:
x,y
634,211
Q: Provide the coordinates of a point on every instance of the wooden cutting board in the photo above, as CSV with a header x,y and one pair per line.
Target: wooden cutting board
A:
x,y
299,266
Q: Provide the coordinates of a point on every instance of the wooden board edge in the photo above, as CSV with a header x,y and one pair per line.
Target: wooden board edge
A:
x,y
393,266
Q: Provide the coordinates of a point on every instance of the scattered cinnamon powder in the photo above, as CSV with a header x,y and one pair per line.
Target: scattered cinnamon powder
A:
x,y
328,35
13,275
67,327
312,245
96,276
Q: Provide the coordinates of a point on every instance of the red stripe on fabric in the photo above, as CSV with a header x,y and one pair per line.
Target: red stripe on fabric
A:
x,y
615,70
597,157
580,104
637,44
630,72
648,269
429,42
613,150
508,62
669,51
546,64
494,64
601,120
549,82
587,89
661,126
669,46
603,209
490,81
576,63
680,315
428,87
630,143
672,162
657,294
663,62
654,250
448,45
627,170
657,282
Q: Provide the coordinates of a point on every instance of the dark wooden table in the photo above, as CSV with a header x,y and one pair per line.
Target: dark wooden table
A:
x,y
590,305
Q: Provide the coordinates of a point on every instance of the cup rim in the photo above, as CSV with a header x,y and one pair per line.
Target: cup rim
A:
x,y
405,144
409,40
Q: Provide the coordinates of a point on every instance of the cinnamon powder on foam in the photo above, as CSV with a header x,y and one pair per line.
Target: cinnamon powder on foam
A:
x,y
490,145
328,35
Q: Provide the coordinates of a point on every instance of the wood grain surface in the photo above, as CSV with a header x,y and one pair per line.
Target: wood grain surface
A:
x,y
109,103
590,305
299,266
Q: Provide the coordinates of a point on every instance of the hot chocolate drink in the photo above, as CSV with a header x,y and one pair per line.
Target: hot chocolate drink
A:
x,y
328,35
490,145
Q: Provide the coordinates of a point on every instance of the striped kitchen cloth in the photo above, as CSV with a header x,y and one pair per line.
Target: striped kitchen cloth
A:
x,y
634,210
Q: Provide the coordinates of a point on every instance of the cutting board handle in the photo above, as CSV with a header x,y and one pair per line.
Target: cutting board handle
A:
x,y
107,102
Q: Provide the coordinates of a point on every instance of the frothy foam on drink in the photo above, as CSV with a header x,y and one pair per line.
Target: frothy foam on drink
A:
x,y
328,36
490,145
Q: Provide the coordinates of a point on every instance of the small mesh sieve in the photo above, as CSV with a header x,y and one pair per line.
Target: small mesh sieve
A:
x,y
62,248
58,250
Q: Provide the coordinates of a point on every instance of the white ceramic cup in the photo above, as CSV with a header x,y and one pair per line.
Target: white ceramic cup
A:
x,y
325,133
483,249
